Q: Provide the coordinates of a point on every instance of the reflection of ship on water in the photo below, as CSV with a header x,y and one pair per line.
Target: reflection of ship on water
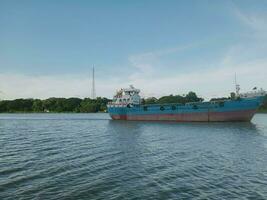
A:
x,y
126,105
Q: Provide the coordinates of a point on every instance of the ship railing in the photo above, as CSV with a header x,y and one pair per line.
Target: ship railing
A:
x,y
252,94
202,104
175,104
113,104
205,104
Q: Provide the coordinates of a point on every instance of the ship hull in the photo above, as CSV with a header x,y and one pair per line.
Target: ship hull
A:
x,y
236,110
244,115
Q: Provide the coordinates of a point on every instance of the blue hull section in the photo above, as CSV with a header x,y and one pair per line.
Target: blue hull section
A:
x,y
232,110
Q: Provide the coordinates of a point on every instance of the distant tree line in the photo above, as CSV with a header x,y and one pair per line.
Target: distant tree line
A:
x,y
88,105
54,105
78,105
263,108
190,97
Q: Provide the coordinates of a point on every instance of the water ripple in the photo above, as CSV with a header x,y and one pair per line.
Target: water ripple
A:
x,y
88,156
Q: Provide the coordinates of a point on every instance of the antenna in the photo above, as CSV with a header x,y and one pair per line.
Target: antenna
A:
x,y
93,84
237,87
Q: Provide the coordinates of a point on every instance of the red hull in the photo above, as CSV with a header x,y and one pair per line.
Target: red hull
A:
x,y
243,115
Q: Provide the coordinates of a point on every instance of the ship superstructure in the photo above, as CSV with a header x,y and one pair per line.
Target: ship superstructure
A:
x,y
126,97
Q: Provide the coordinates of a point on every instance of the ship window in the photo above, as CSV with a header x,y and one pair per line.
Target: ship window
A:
x,y
120,100
221,104
162,108
173,107
145,108
195,107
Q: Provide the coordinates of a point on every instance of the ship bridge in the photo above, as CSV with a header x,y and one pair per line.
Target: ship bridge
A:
x,y
126,97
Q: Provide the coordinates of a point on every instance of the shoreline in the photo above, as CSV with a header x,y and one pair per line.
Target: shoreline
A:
x,y
52,113
258,112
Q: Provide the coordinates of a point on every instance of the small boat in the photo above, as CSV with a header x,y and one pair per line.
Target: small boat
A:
x,y
126,105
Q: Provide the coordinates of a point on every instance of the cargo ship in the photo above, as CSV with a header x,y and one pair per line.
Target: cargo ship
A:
x,y
126,105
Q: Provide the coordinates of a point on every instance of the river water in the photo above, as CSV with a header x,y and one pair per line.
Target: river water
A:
x,y
89,156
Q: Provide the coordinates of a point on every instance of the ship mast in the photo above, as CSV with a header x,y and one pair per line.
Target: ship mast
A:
x,y
237,87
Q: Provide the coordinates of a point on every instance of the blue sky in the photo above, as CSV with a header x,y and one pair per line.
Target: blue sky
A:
x,y
47,48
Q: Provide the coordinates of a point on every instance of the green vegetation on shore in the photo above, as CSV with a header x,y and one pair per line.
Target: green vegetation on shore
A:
x,y
263,108
57,105
190,97
77,105
87,105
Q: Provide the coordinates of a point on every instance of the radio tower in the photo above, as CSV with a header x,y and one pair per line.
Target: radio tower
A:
x,y
93,84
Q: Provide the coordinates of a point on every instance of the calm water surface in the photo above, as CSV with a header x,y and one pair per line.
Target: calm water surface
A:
x,y
89,156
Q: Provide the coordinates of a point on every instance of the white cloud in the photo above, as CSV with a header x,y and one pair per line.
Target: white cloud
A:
x,y
26,86
149,64
208,83
242,58
246,59
148,60
255,21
